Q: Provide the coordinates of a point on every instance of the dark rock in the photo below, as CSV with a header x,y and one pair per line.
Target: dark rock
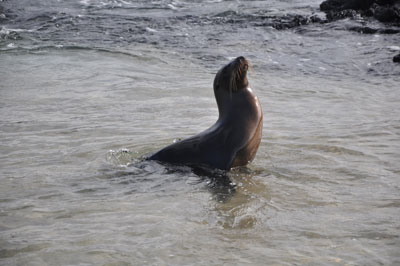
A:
x,y
366,30
336,15
386,14
386,2
369,30
396,58
291,21
332,5
339,5
386,11
358,4
389,31
316,19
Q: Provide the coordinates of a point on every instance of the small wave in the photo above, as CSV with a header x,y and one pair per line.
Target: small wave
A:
x,y
394,48
45,16
11,34
331,149
122,4
5,30
172,7
150,30
10,253
46,48
121,157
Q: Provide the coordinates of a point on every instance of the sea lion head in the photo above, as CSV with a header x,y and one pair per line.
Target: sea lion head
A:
x,y
232,77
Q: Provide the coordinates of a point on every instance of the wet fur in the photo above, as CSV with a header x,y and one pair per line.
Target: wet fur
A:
x,y
234,139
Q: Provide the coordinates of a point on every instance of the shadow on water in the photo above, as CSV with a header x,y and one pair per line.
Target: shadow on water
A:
x,y
218,183
240,198
249,204
151,176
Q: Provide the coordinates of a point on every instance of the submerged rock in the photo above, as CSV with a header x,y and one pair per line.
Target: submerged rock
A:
x,y
369,30
396,58
291,21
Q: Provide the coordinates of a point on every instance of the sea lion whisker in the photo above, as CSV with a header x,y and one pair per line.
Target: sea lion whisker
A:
x,y
250,68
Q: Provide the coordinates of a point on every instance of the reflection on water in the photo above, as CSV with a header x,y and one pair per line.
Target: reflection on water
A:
x,y
245,207
237,195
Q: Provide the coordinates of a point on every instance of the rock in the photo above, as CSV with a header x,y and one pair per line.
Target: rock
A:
x,y
386,14
359,4
386,11
292,21
336,15
340,5
396,58
369,30
366,30
332,5
386,2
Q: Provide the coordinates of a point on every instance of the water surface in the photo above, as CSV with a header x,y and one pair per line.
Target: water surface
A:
x,y
89,87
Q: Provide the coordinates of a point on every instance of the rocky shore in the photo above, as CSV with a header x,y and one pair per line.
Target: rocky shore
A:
x,y
386,11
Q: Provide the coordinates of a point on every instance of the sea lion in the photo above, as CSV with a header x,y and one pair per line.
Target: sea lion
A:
x,y
234,139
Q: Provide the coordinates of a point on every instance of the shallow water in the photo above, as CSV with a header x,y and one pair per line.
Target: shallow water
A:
x,y
89,87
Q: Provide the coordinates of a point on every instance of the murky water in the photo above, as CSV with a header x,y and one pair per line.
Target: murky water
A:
x,y
88,87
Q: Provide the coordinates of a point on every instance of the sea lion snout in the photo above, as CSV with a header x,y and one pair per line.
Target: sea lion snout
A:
x,y
243,64
241,68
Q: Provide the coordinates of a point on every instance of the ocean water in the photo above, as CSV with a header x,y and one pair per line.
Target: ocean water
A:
x,y
87,88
